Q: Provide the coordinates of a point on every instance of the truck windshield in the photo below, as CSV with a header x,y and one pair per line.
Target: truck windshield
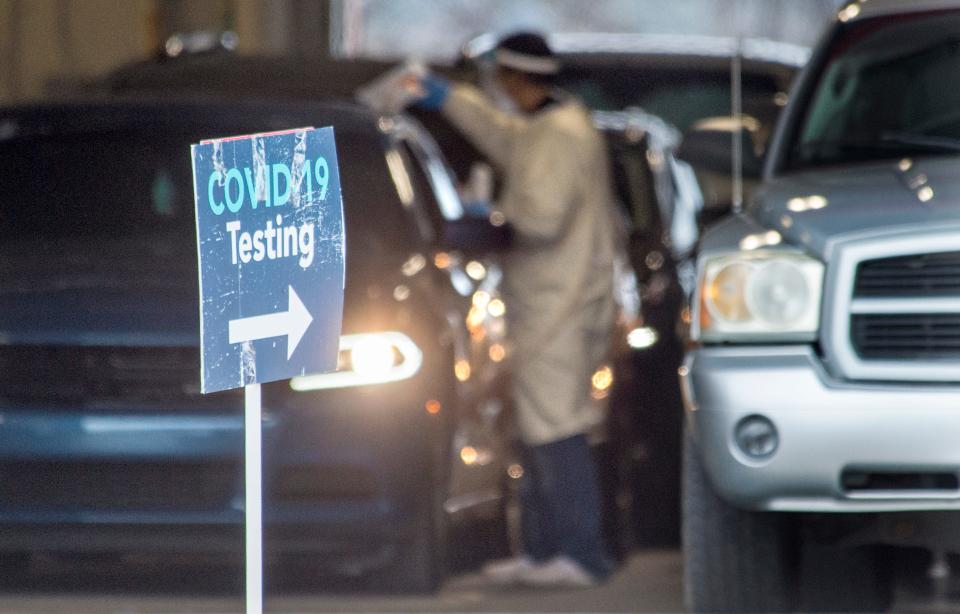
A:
x,y
887,89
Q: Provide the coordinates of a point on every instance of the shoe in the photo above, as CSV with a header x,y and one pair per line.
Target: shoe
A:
x,y
559,572
508,571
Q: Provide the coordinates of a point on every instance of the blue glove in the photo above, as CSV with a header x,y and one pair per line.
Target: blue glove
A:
x,y
435,90
478,208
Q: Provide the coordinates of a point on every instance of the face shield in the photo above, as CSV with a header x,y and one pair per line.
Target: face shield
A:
x,y
490,84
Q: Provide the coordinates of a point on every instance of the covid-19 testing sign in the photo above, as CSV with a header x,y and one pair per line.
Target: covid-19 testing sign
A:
x,y
271,251
270,241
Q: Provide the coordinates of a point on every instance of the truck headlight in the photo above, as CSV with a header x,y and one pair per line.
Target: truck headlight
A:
x,y
759,296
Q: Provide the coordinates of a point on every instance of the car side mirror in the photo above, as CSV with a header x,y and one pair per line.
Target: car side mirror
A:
x,y
708,146
475,235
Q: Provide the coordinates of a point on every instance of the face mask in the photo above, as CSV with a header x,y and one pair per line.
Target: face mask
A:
x,y
490,87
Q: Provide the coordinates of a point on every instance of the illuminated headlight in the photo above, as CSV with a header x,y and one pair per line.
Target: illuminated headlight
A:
x,y
366,359
642,337
760,296
372,356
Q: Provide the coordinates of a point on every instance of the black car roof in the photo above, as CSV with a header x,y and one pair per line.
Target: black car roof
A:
x,y
92,114
267,78
263,77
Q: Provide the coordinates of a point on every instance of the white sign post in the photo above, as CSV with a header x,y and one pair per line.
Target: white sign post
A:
x,y
254,498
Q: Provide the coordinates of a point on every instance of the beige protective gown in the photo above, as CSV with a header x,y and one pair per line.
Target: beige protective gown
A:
x,y
558,277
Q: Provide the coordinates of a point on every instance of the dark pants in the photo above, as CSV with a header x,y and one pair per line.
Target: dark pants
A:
x,y
560,499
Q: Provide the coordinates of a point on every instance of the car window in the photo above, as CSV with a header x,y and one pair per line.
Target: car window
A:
x,y
886,90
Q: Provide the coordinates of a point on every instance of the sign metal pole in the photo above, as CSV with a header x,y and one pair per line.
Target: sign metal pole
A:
x,y
737,109
736,104
254,499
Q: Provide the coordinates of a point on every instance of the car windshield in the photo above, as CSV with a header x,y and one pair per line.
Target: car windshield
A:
x,y
887,89
103,184
677,96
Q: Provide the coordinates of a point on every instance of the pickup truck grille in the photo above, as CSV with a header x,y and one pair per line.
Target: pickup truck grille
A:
x,y
916,275
893,312
906,336
904,309
94,374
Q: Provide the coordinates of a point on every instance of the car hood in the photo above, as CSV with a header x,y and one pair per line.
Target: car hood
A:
x,y
814,208
123,292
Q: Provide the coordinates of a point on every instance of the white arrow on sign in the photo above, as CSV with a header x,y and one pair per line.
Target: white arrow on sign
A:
x,y
292,323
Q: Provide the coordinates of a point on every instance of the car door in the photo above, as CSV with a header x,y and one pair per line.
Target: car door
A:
x,y
475,312
646,405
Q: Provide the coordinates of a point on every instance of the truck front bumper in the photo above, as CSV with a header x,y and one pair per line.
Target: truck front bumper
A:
x,y
907,435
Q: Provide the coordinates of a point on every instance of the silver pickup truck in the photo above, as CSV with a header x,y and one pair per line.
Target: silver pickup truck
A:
x,y
823,390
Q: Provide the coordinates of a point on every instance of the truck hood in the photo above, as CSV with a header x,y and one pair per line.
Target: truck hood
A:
x,y
813,208
126,292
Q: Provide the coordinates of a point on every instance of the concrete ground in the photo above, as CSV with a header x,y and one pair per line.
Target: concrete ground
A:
x,y
648,582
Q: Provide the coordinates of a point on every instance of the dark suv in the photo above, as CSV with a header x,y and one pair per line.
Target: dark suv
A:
x,y
106,444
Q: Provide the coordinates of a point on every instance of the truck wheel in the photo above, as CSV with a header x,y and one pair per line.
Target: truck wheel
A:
x,y
734,561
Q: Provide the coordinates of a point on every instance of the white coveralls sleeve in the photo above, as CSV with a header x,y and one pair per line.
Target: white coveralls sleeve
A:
x,y
539,168
540,191
493,131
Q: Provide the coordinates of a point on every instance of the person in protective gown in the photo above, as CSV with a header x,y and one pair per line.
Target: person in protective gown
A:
x,y
558,280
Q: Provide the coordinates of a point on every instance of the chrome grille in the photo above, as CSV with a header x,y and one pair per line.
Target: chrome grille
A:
x,y
916,275
893,313
906,336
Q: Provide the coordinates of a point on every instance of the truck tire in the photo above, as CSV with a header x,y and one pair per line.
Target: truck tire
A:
x,y
734,560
